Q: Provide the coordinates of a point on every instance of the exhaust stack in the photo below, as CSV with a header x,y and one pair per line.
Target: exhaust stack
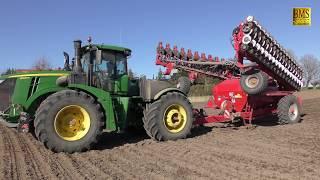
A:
x,y
77,56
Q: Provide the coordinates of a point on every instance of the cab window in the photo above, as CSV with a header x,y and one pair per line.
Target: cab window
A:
x,y
121,62
107,65
113,64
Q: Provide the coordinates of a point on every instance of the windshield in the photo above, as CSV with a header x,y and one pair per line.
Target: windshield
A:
x,y
113,64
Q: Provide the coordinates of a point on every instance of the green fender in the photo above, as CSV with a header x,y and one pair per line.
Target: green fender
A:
x,y
39,94
165,91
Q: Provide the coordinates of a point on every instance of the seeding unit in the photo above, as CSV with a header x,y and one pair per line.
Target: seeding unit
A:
x,y
261,87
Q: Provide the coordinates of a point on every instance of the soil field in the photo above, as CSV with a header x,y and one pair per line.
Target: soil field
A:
x,y
268,151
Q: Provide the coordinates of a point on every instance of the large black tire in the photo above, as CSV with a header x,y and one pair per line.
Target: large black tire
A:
x,y
144,119
254,83
157,119
69,109
184,84
289,110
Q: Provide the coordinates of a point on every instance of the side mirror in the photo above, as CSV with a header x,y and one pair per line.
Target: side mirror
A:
x,y
66,62
98,56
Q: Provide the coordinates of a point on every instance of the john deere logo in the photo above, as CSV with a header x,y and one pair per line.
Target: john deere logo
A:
x,y
301,16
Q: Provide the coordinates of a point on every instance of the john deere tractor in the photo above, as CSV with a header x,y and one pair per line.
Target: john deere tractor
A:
x,y
69,109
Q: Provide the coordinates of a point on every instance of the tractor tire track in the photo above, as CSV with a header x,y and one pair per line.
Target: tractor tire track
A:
x,y
36,168
62,167
110,165
174,160
149,165
15,165
43,169
252,154
2,153
56,167
166,164
87,169
35,162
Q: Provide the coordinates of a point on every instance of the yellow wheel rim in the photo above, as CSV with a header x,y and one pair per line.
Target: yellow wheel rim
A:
x,y
72,123
175,118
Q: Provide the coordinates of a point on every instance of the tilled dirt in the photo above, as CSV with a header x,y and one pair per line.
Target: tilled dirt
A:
x,y
268,151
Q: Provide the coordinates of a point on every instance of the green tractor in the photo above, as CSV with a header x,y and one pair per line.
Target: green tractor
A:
x,y
68,110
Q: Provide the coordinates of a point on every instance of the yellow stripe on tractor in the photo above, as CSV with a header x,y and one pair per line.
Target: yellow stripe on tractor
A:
x,y
37,75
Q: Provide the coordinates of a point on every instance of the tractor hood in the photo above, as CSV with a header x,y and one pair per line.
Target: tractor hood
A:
x,y
34,74
28,83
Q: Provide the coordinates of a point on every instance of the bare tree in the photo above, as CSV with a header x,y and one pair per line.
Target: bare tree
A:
x,y
311,68
42,64
315,83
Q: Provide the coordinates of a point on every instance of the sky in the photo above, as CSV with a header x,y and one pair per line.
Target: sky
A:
x,y
37,28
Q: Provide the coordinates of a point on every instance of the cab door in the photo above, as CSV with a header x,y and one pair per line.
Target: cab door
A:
x,y
121,74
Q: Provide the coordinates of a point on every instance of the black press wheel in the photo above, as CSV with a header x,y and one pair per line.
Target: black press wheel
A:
x,y
168,118
69,121
289,110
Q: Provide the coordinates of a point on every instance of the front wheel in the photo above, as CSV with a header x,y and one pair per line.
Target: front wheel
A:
x,y
69,121
169,118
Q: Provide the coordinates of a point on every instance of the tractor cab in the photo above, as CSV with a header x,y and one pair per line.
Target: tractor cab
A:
x,y
109,67
101,66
